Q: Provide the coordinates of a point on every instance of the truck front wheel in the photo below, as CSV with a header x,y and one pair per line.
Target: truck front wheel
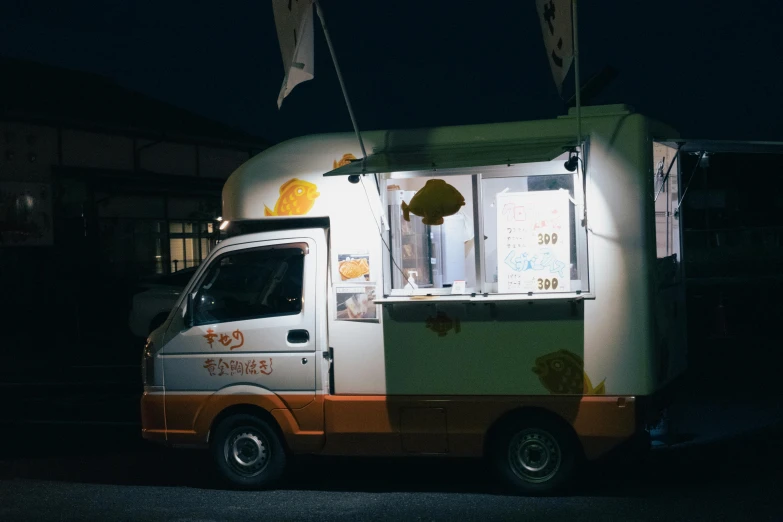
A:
x,y
248,452
536,455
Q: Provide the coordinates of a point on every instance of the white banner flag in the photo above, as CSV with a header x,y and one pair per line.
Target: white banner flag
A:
x,y
555,18
294,23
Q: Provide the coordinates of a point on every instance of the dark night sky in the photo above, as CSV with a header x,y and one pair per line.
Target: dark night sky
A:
x,y
708,67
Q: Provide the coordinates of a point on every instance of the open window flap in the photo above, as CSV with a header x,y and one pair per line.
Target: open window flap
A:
x,y
730,146
454,156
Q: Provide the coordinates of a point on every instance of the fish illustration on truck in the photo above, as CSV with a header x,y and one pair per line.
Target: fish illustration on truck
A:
x,y
563,372
297,198
345,160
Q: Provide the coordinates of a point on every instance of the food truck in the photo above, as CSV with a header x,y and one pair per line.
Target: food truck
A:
x,y
504,291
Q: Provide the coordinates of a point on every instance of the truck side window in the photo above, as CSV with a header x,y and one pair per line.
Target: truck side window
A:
x,y
249,285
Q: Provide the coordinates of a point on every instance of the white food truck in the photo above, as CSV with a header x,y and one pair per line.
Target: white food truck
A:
x,y
538,326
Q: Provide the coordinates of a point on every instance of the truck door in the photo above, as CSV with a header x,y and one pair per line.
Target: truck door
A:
x,y
250,323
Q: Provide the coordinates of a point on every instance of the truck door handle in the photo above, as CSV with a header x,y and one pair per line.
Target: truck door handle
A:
x,y
298,336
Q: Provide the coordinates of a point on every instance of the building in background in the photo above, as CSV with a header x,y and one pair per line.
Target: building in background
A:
x,y
100,187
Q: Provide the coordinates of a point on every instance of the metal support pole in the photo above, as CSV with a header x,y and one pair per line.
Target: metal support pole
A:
x,y
577,82
576,77
693,173
339,76
668,171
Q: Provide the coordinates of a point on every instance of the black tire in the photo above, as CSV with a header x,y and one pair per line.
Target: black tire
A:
x,y
248,452
535,455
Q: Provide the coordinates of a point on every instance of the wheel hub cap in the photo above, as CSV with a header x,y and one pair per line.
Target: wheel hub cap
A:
x,y
246,451
534,455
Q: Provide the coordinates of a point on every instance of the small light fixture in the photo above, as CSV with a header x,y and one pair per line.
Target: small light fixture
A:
x,y
353,178
573,160
224,224
220,218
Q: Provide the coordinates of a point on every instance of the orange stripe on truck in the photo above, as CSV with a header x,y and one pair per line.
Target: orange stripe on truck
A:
x,y
394,425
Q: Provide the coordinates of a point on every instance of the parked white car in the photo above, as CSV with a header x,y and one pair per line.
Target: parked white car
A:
x,y
151,307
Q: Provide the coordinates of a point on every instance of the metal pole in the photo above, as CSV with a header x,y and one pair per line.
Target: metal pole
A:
x,y
577,81
576,76
666,178
339,76
679,203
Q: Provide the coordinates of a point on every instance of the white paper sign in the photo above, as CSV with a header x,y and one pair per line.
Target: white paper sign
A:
x,y
534,243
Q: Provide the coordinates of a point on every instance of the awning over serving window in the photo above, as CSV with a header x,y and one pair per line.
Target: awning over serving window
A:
x,y
718,146
456,156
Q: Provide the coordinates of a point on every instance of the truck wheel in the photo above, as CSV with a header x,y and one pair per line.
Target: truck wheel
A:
x,y
248,452
536,455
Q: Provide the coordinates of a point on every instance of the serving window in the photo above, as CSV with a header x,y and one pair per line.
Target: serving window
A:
x,y
519,231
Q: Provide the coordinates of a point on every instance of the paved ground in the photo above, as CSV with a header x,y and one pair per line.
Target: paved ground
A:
x,y
104,472
72,451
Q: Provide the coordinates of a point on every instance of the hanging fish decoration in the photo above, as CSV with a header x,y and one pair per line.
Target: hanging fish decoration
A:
x,y
433,202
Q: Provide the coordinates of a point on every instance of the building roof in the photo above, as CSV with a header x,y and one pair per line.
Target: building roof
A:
x,y
54,95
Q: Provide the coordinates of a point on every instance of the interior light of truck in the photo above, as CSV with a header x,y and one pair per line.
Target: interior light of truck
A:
x,y
224,224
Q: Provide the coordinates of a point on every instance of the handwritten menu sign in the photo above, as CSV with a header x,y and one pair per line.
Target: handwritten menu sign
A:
x,y
534,243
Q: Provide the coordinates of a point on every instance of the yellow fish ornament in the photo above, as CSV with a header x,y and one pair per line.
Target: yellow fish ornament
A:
x,y
434,201
297,198
562,372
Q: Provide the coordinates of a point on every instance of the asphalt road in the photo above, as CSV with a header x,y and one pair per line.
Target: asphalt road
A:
x,y
72,451
102,472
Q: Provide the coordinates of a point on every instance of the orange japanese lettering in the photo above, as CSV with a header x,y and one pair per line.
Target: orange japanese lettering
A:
x,y
210,337
263,368
237,368
239,336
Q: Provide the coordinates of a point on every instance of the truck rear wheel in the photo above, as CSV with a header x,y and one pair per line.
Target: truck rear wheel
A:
x,y
535,455
248,452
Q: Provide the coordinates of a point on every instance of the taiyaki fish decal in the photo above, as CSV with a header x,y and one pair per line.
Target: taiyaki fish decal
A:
x,y
434,201
345,160
442,323
562,372
297,198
